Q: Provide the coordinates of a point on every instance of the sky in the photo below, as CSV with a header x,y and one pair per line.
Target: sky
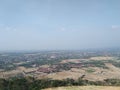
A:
x,y
59,24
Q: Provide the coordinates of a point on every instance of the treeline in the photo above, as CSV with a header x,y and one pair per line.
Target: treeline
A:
x,y
33,84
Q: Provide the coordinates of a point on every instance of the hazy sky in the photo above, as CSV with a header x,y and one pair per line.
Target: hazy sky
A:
x,y
59,24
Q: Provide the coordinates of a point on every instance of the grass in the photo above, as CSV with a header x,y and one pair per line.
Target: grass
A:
x,y
85,88
89,70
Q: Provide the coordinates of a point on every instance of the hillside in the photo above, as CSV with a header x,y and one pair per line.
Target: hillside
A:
x,y
85,88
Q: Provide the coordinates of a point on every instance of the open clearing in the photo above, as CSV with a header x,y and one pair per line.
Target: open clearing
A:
x,y
71,60
64,74
102,58
85,88
92,58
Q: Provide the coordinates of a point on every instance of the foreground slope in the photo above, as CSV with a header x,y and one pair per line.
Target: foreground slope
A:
x,y
85,88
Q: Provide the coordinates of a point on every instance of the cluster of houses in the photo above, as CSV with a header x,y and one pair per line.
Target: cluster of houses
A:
x,y
59,67
47,69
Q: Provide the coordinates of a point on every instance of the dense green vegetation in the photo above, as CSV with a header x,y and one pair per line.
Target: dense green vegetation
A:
x,y
33,84
94,63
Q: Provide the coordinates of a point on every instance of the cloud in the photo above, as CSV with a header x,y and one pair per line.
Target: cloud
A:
x,y
115,27
1,24
63,29
8,28
4,28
